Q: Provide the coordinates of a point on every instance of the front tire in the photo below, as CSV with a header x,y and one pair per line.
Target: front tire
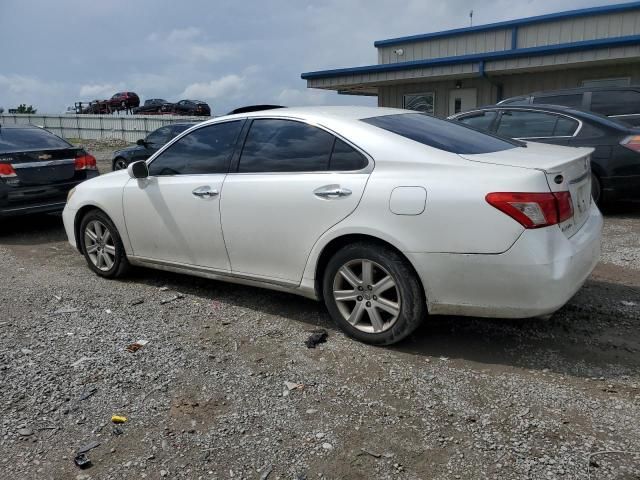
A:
x,y
101,245
120,164
373,294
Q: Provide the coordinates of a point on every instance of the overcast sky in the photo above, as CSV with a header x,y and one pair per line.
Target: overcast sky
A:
x,y
228,53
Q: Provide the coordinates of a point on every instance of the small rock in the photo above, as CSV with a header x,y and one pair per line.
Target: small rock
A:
x,y
163,473
327,446
25,432
26,351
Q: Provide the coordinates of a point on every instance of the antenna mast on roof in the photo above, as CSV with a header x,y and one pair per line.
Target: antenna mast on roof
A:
x,y
471,18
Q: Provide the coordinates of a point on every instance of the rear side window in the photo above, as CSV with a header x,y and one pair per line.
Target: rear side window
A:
x,y
160,136
615,102
444,135
574,100
480,121
345,157
526,124
275,145
205,150
18,139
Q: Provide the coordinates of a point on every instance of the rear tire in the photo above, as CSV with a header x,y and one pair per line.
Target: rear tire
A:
x,y
373,294
101,245
596,190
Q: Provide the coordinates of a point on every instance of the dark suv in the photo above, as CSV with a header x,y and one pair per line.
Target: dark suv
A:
x,y
622,103
125,100
37,170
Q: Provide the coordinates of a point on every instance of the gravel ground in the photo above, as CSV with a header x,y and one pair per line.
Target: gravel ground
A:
x,y
207,396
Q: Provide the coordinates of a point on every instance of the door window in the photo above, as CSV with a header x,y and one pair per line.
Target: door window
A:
x,y
523,124
205,150
480,121
615,102
275,145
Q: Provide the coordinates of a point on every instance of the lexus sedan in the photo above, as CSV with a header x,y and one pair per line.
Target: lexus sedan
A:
x,y
386,215
145,147
615,161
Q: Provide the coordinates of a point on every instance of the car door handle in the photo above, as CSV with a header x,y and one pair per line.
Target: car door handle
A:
x,y
332,191
205,192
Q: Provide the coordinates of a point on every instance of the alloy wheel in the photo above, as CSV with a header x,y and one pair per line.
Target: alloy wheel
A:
x,y
99,245
120,164
366,295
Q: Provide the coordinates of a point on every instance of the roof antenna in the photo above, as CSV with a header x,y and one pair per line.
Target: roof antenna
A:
x,y
471,18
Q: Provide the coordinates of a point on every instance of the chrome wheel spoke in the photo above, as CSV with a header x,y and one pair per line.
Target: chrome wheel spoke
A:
x,y
106,236
345,295
376,320
387,305
110,249
91,234
92,248
356,314
349,276
367,272
383,285
108,260
97,228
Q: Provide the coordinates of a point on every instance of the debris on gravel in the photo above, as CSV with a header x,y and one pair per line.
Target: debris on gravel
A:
x,y
205,398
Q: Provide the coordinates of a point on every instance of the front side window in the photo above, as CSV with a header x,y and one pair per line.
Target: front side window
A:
x,y
526,124
444,135
479,121
205,150
275,145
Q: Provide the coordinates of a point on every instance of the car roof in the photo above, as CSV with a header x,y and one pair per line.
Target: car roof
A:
x,y
574,112
318,113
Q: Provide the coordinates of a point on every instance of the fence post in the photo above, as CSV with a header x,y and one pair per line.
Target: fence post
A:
x,y
122,124
78,125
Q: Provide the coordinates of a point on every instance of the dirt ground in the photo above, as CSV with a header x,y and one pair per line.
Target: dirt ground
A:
x,y
206,397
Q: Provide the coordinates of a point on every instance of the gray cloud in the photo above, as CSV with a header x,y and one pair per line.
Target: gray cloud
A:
x,y
225,52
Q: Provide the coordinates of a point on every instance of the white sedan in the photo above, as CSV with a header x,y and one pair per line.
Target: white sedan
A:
x,y
386,215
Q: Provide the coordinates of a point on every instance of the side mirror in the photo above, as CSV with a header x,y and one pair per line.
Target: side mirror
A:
x,y
142,142
138,169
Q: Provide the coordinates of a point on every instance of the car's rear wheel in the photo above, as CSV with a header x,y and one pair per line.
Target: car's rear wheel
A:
x,y
102,246
120,164
373,294
596,189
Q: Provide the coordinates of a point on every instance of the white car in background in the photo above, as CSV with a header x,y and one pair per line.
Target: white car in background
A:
x,y
386,215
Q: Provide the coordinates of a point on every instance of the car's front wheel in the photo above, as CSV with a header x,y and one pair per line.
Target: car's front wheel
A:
x,y
101,245
373,294
120,164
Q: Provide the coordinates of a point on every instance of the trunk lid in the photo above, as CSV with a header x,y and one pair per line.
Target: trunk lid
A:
x,y
42,167
566,169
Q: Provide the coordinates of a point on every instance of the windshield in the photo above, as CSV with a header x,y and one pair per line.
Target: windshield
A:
x,y
441,134
21,139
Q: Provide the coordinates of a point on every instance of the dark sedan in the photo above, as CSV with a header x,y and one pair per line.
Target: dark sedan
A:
x,y
615,162
37,170
192,107
147,146
152,105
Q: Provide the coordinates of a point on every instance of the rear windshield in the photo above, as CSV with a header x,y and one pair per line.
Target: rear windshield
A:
x,y
18,139
441,134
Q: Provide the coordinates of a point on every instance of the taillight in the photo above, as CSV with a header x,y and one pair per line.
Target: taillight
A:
x,y
6,170
86,162
631,142
533,210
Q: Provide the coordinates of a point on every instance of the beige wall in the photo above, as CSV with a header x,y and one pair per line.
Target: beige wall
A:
x,y
516,84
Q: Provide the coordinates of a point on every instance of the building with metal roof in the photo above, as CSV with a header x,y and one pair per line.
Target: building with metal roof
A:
x,y
456,70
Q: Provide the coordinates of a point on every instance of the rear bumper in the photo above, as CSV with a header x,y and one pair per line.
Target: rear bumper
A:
x,y
536,276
